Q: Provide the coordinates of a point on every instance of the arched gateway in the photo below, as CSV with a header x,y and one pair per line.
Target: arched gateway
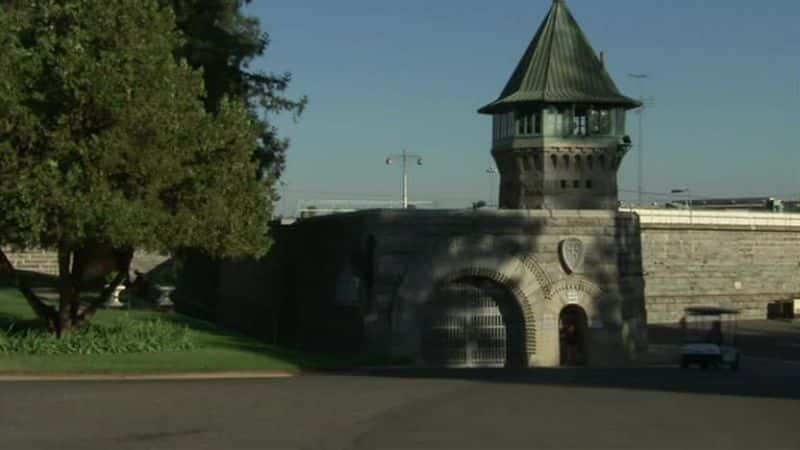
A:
x,y
473,322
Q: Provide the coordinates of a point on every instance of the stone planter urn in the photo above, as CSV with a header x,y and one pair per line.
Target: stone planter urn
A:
x,y
164,293
113,301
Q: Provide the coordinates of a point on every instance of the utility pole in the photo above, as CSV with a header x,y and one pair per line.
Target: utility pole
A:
x,y
404,157
645,103
492,171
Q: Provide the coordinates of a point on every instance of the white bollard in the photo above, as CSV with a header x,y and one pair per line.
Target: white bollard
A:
x,y
113,301
164,293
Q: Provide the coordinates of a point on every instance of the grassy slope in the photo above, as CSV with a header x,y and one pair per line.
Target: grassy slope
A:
x,y
218,350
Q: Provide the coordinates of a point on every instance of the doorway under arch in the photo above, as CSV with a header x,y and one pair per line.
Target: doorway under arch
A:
x,y
573,328
473,322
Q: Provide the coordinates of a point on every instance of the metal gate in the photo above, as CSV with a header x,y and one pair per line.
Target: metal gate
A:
x,y
464,326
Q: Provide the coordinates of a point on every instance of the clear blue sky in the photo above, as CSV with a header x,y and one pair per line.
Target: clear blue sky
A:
x,y
382,76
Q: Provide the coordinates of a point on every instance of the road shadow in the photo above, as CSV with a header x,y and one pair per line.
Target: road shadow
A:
x,y
770,367
750,382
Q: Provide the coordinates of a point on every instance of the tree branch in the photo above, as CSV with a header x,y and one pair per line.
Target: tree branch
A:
x,y
67,291
42,310
86,312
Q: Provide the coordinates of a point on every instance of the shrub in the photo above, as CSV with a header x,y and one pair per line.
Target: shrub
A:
x,y
125,335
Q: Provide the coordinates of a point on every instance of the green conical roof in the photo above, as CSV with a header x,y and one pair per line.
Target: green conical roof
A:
x,y
560,66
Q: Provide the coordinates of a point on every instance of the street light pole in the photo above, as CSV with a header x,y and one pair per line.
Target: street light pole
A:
x,y
404,157
640,77
492,171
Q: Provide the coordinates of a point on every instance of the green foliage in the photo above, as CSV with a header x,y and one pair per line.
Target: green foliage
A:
x,y
123,336
104,136
223,41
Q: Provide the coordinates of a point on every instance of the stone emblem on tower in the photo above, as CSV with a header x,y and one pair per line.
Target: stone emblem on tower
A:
x,y
559,125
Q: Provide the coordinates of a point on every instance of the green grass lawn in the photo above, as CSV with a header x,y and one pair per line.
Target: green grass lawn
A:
x,y
217,350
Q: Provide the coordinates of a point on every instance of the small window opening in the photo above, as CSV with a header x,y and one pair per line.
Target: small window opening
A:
x,y
581,122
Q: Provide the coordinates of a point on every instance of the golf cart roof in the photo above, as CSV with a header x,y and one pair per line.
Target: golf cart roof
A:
x,y
710,311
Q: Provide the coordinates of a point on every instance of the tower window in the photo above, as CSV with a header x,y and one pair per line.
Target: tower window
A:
x,y
527,123
536,162
581,122
599,122
565,123
602,161
578,162
563,184
588,184
576,184
554,160
566,161
590,162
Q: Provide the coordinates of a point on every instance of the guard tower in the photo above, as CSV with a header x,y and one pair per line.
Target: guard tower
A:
x,y
559,125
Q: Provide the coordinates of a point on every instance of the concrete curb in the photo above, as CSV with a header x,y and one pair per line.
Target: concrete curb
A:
x,y
151,377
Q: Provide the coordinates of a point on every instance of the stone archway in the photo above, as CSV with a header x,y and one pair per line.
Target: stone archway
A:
x,y
473,322
573,327
498,259
603,320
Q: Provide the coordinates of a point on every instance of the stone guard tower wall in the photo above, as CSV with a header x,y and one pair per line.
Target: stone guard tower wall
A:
x,y
355,283
360,282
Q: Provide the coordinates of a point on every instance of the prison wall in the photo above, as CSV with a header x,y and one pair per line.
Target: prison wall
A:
x,y
33,260
741,260
44,261
333,283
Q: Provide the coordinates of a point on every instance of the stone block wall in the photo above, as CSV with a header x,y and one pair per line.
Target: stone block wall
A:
x,y
46,261
40,261
738,260
347,283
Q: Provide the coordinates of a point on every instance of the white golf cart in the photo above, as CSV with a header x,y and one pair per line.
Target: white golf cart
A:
x,y
709,337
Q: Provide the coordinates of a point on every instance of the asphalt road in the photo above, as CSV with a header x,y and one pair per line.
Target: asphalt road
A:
x,y
653,407
587,409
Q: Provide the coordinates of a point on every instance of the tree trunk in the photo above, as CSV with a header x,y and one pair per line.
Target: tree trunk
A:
x,y
94,261
72,265
68,290
87,312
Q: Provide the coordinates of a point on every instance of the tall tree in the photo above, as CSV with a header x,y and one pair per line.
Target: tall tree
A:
x,y
105,140
223,41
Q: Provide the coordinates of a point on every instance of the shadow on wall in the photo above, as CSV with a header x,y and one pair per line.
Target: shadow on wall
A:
x,y
632,281
285,297
293,296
